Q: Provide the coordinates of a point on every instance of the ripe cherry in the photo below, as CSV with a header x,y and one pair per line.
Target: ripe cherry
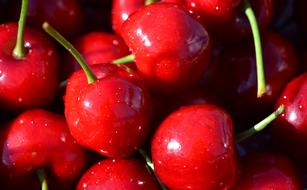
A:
x,y
262,171
170,55
117,174
40,139
194,149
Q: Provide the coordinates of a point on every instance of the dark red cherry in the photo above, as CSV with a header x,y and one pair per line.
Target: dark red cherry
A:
x,y
31,81
67,16
171,56
97,48
40,139
263,171
235,76
110,116
121,10
239,27
194,149
118,174
290,129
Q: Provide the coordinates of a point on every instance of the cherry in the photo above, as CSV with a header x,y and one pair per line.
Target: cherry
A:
x,y
97,48
121,10
236,73
262,171
117,174
194,148
170,55
108,108
66,15
40,139
29,79
290,129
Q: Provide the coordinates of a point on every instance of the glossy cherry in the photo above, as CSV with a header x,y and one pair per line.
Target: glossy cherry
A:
x,y
67,16
97,48
118,174
170,55
121,10
264,171
41,139
194,149
110,116
290,129
31,81
236,73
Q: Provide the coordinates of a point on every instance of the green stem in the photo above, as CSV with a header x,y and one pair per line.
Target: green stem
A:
x,y
123,60
148,2
19,51
261,89
151,166
91,78
42,178
260,126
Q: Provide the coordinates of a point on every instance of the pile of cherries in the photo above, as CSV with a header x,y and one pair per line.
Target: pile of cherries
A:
x,y
153,94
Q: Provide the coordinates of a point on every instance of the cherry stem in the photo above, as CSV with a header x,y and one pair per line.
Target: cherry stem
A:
x,y
151,166
261,125
42,178
123,60
148,2
19,50
261,84
91,78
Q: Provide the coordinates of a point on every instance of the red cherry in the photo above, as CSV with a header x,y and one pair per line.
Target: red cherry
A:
x,y
194,149
268,171
170,55
236,74
66,15
121,10
118,174
31,81
97,48
290,129
111,115
40,139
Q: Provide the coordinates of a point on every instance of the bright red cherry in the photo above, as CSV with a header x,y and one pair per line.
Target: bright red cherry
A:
x,y
97,48
263,171
290,129
236,75
67,16
170,55
41,139
121,10
118,174
31,81
110,116
194,149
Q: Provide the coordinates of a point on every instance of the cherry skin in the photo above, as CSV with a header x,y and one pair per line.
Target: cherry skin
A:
x,y
264,171
110,116
41,139
97,48
236,73
121,10
67,16
118,174
31,81
169,55
291,126
194,149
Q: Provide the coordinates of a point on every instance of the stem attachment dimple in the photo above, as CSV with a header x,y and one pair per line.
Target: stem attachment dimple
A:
x,y
19,50
91,78
261,125
148,2
42,178
261,84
